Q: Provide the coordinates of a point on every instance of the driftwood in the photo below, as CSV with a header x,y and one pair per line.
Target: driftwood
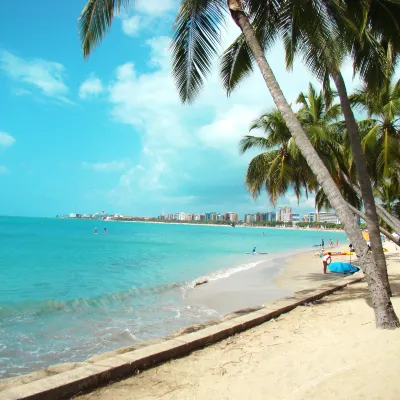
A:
x,y
200,282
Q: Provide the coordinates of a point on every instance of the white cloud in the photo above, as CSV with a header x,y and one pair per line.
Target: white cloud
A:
x,y
190,152
154,7
228,128
47,76
90,87
6,140
111,166
3,169
130,26
147,16
21,92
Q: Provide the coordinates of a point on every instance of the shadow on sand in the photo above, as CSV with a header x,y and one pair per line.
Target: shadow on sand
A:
x,y
352,292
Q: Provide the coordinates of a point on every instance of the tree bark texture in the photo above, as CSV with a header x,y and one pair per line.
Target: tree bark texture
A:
x,y
392,221
363,177
383,230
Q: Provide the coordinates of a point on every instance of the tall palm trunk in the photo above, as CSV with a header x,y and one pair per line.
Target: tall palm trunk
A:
x,y
384,313
363,176
383,230
390,220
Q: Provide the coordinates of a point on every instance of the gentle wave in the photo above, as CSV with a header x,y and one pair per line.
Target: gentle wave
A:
x,y
77,305
225,273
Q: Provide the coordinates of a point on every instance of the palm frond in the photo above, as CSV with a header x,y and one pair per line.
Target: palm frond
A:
x,y
95,20
236,64
195,42
237,61
253,142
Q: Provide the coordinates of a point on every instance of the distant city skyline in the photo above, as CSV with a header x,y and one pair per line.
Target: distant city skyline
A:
x,y
284,214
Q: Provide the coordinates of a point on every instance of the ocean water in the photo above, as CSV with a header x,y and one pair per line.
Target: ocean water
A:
x,y
67,294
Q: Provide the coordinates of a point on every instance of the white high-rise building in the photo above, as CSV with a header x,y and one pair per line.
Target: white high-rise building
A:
x,y
284,214
328,217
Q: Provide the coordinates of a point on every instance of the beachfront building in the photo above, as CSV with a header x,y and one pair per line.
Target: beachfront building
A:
x,y
261,217
284,214
312,217
306,218
230,216
271,216
295,218
248,218
181,216
328,217
211,216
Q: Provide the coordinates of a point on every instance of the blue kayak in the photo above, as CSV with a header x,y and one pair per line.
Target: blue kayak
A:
x,y
342,267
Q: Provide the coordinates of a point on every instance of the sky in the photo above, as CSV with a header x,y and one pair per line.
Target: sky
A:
x,y
109,133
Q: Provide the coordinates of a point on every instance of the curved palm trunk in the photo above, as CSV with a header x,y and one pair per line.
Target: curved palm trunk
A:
x,y
383,230
388,218
392,221
363,177
384,313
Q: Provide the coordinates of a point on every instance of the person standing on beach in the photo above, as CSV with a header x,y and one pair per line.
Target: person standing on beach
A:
x,y
337,243
326,261
331,242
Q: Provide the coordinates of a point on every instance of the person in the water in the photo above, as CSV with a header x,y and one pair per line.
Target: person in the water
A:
x,y
105,231
95,231
254,250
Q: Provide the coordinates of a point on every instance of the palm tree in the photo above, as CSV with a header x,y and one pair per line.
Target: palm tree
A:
x,y
308,26
196,35
280,165
381,130
388,194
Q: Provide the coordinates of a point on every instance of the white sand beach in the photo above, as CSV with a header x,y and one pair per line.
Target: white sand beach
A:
x,y
326,350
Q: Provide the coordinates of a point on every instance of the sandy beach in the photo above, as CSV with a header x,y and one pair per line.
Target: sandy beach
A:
x,y
329,349
275,276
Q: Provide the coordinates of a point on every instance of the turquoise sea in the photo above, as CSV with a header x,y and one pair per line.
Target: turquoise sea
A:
x,y
67,294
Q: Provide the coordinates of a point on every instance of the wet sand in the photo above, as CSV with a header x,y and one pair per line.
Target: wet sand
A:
x,y
274,277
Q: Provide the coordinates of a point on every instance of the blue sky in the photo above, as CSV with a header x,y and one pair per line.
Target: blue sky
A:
x,y
110,133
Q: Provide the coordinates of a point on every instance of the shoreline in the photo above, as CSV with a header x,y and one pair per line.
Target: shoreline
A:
x,y
275,276
239,290
237,226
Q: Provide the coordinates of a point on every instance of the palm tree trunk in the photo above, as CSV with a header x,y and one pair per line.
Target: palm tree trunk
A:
x,y
392,221
384,313
383,230
388,218
363,176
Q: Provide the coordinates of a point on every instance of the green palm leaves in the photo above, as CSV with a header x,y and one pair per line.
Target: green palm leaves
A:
x,y
95,20
281,165
381,130
195,42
